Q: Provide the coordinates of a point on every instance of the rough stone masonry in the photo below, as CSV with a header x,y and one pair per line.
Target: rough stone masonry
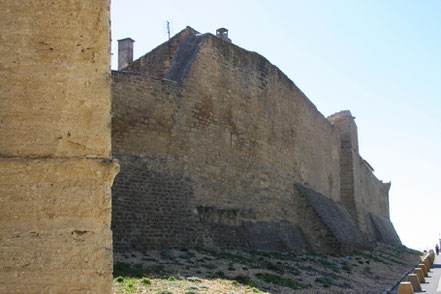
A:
x,y
55,156
219,149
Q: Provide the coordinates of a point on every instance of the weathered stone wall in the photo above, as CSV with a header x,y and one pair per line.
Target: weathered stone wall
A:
x,y
153,206
55,166
362,192
373,194
237,130
258,125
144,113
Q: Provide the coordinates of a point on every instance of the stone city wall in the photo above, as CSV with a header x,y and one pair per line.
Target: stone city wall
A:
x,y
235,130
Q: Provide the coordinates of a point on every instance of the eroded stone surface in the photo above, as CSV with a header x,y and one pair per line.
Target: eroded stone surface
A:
x,y
55,114
55,78
55,225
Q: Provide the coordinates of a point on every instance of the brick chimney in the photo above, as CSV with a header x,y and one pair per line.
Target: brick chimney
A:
x,y
125,52
223,34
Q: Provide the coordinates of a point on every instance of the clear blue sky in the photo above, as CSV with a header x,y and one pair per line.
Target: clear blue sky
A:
x,y
380,59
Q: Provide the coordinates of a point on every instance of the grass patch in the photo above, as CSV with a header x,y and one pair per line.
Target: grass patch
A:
x,y
346,267
167,254
325,281
234,258
326,263
208,266
307,268
126,284
227,270
281,281
245,280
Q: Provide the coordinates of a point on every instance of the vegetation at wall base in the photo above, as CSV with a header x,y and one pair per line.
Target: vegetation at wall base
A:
x,y
199,271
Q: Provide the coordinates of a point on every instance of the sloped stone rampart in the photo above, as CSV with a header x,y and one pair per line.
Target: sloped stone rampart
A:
x,y
336,220
384,230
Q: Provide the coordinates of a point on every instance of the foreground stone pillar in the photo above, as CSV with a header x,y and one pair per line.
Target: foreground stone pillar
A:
x,y
55,157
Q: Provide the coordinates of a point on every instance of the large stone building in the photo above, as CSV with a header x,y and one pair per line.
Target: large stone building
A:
x,y
218,148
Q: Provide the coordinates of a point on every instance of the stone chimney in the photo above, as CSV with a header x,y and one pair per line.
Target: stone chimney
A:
x,y
223,34
125,52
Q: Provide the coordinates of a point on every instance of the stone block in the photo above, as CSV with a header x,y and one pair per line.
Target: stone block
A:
x,y
420,274
424,268
428,264
416,285
431,255
405,288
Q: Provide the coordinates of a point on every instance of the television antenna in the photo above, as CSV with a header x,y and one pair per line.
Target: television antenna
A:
x,y
167,28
